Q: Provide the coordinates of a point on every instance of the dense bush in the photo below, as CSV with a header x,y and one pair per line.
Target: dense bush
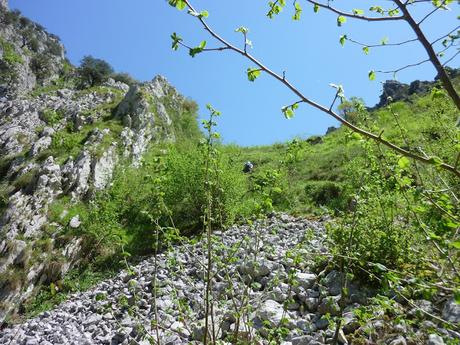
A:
x,y
376,232
94,71
124,78
51,116
185,189
326,193
123,213
41,66
54,47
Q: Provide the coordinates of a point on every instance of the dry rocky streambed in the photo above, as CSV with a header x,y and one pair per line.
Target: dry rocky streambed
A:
x,y
265,273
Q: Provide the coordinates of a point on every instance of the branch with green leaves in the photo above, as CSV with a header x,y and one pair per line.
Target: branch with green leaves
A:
x,y
254,72
386,15
401,12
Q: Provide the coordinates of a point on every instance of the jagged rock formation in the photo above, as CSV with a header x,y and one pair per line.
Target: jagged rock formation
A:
x,y
396,91
56,141
257,275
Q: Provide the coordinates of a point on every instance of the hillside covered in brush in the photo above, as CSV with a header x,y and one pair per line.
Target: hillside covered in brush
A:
x,y
123,220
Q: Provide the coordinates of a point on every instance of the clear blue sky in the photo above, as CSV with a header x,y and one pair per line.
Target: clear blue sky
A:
x,y
134,37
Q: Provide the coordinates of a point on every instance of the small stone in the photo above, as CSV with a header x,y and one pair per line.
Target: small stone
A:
x,y
303,340
451,311
400,340
329,305
434,339
75,222
306,280
333,282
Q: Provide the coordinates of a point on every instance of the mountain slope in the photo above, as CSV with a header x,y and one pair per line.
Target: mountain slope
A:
x,y
60,140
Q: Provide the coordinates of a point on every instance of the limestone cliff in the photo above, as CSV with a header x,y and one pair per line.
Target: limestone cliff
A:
x,y
58,140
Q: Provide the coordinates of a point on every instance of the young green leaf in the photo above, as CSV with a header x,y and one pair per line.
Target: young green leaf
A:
x,y
298,11
198,49
175,41
342,39
242,29
377,9
253,73
404,162
371,75
358,12
287,112
341,20
316,8
179,4
366,50
340,91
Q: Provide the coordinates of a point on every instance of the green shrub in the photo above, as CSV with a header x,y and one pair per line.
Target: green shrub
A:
x,y
54,47
25,179
52,117
94,71
185,192
10,56
124,78
326,193
41,66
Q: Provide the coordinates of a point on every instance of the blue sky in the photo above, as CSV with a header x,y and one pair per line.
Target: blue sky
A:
x,y
134,37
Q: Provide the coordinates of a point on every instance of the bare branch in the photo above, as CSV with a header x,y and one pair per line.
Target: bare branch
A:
x,y
453,57
205,49
440,38
305,99
352,15
404,67
381,44
430,13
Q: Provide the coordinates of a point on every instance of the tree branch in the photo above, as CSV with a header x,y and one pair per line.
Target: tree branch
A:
x,y
381,44
405,67
442,74
440,38
320,107
351,15
430,13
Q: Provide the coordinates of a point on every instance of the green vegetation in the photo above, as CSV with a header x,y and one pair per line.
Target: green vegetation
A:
x,y
57,292
94,71
52,117
10,56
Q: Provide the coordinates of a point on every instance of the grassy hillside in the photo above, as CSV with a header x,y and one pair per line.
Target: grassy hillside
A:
x,y
319,169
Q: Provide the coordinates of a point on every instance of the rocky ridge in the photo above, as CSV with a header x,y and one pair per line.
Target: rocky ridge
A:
x,y
257,276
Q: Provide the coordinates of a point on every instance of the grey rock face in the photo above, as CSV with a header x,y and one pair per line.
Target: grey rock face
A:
x,y
25,128
33,64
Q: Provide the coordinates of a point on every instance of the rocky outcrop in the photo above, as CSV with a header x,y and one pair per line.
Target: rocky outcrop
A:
x,y
4,4
57,141
29,55
145,117
39,171
262,295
